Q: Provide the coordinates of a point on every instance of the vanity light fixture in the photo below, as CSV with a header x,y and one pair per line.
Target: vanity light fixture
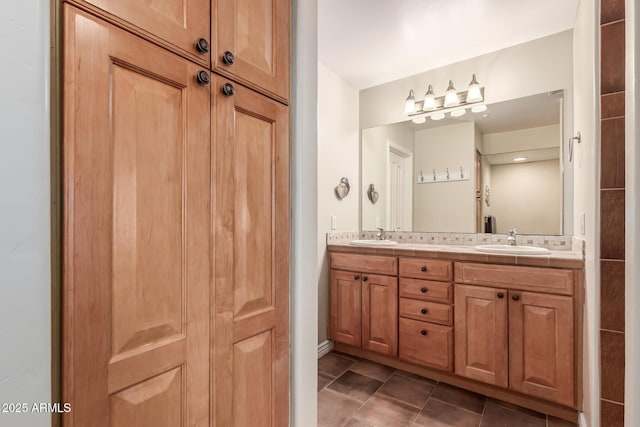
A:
x,y
519,159
410,103
454,103
419,120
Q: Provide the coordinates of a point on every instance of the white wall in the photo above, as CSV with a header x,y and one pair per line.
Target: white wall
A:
x,y
304,224
586,178
25,278
527,196
445,206
374,169
338,156
521,139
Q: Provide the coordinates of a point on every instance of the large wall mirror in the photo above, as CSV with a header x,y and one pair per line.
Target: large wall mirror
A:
x,y
483,172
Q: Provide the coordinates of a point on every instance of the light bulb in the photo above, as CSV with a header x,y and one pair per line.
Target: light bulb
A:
x,y
410,103
474,94
451,97
437,116
479,108
419,120
519,159
429,100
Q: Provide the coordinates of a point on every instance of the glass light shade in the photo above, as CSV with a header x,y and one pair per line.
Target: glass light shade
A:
x,y
410,103
451,97
519,159
419,120
437,116
474,94
458,112
479,108
429,100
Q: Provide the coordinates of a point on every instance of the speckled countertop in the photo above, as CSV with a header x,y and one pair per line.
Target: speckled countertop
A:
x,y
555,258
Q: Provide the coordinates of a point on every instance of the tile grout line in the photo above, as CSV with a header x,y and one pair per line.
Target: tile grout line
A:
x,y
353,417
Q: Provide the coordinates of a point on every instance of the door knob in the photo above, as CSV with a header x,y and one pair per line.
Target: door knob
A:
x,y
500,295
228,58
423,268
228,89
203,77
516,297
202,45
356,277
423,290
364,278
423,332
423,311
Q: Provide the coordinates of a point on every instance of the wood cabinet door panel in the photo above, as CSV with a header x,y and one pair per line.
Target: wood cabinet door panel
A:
x,y
426,344
177,22
345,322
380,314
541,344
251,256
136,231
481,344
256,33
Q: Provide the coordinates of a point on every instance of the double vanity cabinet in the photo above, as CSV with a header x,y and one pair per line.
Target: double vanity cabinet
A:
x,y
505,326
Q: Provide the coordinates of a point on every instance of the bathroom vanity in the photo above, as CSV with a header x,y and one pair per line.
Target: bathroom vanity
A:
x,y
507,326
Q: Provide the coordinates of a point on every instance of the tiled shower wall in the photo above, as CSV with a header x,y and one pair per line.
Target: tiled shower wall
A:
x,y
612,212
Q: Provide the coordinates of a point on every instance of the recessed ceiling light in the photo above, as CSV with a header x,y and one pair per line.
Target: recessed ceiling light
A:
x,y
419,120
519,159
479,108
437,116
458,112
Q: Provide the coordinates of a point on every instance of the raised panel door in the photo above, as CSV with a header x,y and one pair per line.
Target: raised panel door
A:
x,y
481,346
136,232
541,346
345,317
177,24
251,258
251,44
380,314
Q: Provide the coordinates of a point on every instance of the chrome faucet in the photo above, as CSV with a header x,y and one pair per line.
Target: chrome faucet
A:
x,y
511,240
381,235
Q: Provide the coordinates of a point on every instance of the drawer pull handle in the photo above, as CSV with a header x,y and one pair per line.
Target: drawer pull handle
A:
x,y
516,297
423,268
203,77
423,290
202,45
356,277
500,295
228,89
423,332
364,278
228,58
423,311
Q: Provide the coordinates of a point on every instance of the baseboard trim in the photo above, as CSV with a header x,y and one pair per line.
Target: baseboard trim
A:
x,y
324,348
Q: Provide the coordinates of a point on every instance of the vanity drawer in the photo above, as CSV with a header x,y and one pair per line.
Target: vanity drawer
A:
x,y
426,344
365,263
426,290
426,311
547,280
426,269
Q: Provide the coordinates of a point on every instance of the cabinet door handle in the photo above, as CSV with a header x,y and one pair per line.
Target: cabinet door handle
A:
x,y
500,295
356,277
202,45
203,77
423,268
423,332
423,290
228,58
516,297
423,311
228,89
364,278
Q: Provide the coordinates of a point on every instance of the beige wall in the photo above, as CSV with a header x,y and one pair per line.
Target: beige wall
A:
x,y
374,168
338,156
445,206
524,139
527,196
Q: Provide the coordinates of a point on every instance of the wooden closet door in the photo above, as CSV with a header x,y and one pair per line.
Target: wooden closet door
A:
x,y
256,34
380,314
177,23
481,346
251,271
136,232
541,350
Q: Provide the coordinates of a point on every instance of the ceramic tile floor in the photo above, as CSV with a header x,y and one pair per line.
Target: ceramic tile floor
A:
x,y
358,393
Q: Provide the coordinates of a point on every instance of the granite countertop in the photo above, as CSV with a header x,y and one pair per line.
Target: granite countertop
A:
x,y
555,258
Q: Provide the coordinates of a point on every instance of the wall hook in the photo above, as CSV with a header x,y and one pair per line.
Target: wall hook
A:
x,y
578,139
461,172
447,173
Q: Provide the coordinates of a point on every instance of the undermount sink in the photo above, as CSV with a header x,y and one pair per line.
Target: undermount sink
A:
x,y
373,242
515,250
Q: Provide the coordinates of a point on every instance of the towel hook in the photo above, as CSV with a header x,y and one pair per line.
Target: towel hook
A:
x,y
578,139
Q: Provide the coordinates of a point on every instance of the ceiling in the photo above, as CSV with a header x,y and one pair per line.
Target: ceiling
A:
x,y
370,42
